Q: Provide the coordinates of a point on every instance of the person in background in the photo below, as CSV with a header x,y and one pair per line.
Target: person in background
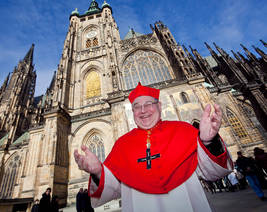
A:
x,y
54,204
261,162
261,158
45,204
87,202
79,201
35,207
234,181
247,167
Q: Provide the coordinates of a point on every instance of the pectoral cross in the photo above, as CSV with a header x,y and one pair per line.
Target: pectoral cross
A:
x,y
148,157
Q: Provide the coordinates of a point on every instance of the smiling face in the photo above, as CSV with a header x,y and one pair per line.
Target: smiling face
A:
x,y
147,111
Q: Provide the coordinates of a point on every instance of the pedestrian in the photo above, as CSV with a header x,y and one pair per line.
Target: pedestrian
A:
x,y
261,162
79,201
87,202
35,207
45,204
211,186
261,158
219,184
233,180
54,204
241,178
247,167
154,165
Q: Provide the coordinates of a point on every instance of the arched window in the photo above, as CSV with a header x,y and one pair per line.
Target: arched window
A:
x,y
236,124
93,86
184,97
96,146
144,66
9,178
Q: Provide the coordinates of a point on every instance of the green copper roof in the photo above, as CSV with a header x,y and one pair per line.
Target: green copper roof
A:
x,y
105,4
207,85
75,12
22,138
131,34
93,8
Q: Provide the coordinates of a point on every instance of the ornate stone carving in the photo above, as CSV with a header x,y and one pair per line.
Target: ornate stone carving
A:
x,y
127,44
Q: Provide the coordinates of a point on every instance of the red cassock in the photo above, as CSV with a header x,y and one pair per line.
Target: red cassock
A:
x,y
176,142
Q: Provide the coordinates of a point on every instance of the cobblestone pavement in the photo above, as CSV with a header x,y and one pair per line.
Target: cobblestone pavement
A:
x,y
239,201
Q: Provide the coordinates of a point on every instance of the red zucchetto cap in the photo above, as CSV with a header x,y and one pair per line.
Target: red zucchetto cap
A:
x,y
143,91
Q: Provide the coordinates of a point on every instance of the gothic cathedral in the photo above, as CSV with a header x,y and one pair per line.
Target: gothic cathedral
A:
x,y
86,102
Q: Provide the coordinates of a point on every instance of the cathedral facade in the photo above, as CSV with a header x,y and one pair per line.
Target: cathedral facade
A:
x,y
87,101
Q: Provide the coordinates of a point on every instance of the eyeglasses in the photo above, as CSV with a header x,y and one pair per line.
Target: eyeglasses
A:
x,y
146,106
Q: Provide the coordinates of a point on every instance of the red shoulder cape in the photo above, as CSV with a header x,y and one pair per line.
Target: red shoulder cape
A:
x,y
176,142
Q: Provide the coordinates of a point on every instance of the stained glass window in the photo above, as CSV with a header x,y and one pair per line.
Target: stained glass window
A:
x,y
144,66
96,146
236,124
9,178
93,87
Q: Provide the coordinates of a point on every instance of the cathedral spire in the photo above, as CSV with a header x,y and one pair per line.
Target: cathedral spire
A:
x,y
52,83
249,54
29,56
4,86
261,53
265,44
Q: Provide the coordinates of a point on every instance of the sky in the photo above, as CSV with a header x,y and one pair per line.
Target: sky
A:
x,y
192,22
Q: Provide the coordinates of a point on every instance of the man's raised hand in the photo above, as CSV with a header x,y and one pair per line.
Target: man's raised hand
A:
x,y
210,123
88,162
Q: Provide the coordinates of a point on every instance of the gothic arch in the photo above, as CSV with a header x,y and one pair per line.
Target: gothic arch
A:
x,y
93,40
94,141
144,65
90,26
86,85
11,169
92,84
87,122
144,49
185,98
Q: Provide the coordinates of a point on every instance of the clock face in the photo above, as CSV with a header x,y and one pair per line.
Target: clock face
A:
x,y
91,34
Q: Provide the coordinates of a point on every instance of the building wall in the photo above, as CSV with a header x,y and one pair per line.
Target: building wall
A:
x,y
46,158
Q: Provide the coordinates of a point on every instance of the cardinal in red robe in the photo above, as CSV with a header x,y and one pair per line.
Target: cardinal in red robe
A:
x,y
159,160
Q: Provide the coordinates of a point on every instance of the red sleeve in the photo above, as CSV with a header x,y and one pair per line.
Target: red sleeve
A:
x,y
220,159
98,192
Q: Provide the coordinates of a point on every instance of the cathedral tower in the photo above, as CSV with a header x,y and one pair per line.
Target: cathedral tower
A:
x,y
16,99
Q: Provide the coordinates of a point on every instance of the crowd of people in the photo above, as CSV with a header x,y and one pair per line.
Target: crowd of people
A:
x,y
46,203
248,171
